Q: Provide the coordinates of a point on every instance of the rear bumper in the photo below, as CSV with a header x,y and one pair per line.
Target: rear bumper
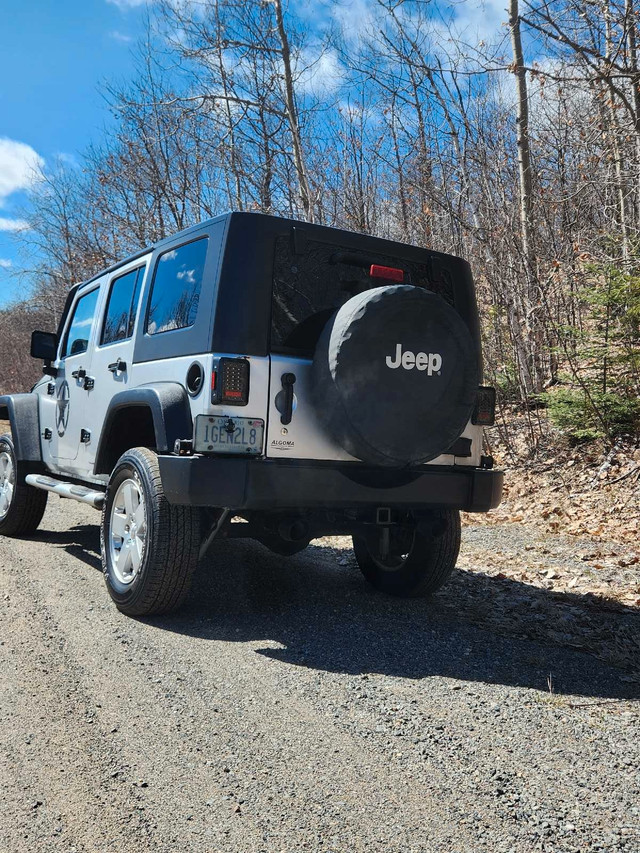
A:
x,y
280,484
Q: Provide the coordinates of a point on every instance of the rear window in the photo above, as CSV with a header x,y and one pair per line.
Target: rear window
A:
x,y
120,314
176,288
308,288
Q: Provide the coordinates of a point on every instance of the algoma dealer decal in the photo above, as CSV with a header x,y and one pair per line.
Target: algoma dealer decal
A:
x,y
282,444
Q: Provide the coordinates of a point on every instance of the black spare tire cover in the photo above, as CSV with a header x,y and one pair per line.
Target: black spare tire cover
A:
x,y
395,376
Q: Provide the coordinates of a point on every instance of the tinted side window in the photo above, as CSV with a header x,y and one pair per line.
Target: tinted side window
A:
x,y
176,288
77,339
120,315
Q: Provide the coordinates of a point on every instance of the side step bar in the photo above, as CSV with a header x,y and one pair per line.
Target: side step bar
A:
x,y
94,498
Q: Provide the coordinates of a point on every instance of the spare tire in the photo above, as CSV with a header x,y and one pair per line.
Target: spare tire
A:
x,y
395,376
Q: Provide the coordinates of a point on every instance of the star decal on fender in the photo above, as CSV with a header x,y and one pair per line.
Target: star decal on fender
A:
x,y
62,408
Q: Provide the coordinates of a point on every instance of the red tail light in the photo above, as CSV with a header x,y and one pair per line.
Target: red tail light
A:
x,y
388,273
230,382
484,412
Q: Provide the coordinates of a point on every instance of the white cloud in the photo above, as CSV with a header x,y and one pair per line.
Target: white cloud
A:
x,y
188,275
67,159
356,18
321,74
19,165
5,263
477,20
13,224
123,38
82,324
123,5
195,8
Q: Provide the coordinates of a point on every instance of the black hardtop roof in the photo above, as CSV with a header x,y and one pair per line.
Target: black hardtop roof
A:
x,y
279,224
245,276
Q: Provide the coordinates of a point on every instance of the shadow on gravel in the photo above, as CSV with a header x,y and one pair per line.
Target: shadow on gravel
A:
x,y
478,628
81,541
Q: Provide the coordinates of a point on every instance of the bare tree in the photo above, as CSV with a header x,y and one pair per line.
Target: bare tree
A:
x,y
421,140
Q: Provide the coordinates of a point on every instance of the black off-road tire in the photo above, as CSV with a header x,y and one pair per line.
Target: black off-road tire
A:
x,y
171,547
383,408
27,504
427,566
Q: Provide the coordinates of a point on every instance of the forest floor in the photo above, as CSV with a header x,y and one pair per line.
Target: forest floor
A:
x,y
587,493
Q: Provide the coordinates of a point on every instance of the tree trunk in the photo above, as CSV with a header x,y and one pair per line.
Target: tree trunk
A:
x,y
632,61
615,144
530,370
292,114
522,124
233,148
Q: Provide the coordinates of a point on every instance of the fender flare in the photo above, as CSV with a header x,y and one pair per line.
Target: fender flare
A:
x,y
168,403
22,412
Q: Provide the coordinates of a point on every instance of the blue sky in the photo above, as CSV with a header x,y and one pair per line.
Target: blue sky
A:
x,y
53,56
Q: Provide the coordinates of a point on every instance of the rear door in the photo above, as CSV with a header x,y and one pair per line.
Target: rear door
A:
x,y
308,287
299,434
113,354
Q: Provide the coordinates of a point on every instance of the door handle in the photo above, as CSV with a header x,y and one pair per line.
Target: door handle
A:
x,y
288,381
80,373
118,366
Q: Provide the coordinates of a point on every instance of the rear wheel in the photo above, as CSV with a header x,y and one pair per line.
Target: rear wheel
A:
x,y
149,547
21,506
410,559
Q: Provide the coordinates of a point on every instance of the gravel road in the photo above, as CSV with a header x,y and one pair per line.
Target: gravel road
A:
x,y
290,708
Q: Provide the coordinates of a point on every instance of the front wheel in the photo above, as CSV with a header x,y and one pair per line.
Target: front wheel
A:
x,y
21,506
149,547
410,559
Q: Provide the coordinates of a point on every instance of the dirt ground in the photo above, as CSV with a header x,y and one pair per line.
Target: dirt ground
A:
x,y
288,707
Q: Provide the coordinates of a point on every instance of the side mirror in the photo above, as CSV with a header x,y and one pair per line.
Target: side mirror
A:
x,y
44,345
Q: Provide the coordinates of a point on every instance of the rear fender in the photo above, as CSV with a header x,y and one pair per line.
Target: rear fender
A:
x,y
168,406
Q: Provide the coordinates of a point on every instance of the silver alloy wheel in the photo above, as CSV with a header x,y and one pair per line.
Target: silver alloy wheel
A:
x,y
7,482
127,531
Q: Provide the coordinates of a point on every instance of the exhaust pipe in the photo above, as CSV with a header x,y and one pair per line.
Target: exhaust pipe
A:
x,y
293,530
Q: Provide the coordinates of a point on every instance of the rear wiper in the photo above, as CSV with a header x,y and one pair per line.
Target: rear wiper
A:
x,y
353,260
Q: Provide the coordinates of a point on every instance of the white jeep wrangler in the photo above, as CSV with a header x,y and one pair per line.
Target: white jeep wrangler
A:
x,y
259,377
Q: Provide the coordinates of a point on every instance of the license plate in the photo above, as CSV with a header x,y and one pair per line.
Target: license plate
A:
x,y
222,434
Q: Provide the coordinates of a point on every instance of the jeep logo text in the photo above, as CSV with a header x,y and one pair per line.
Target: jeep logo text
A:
x,y
431,362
